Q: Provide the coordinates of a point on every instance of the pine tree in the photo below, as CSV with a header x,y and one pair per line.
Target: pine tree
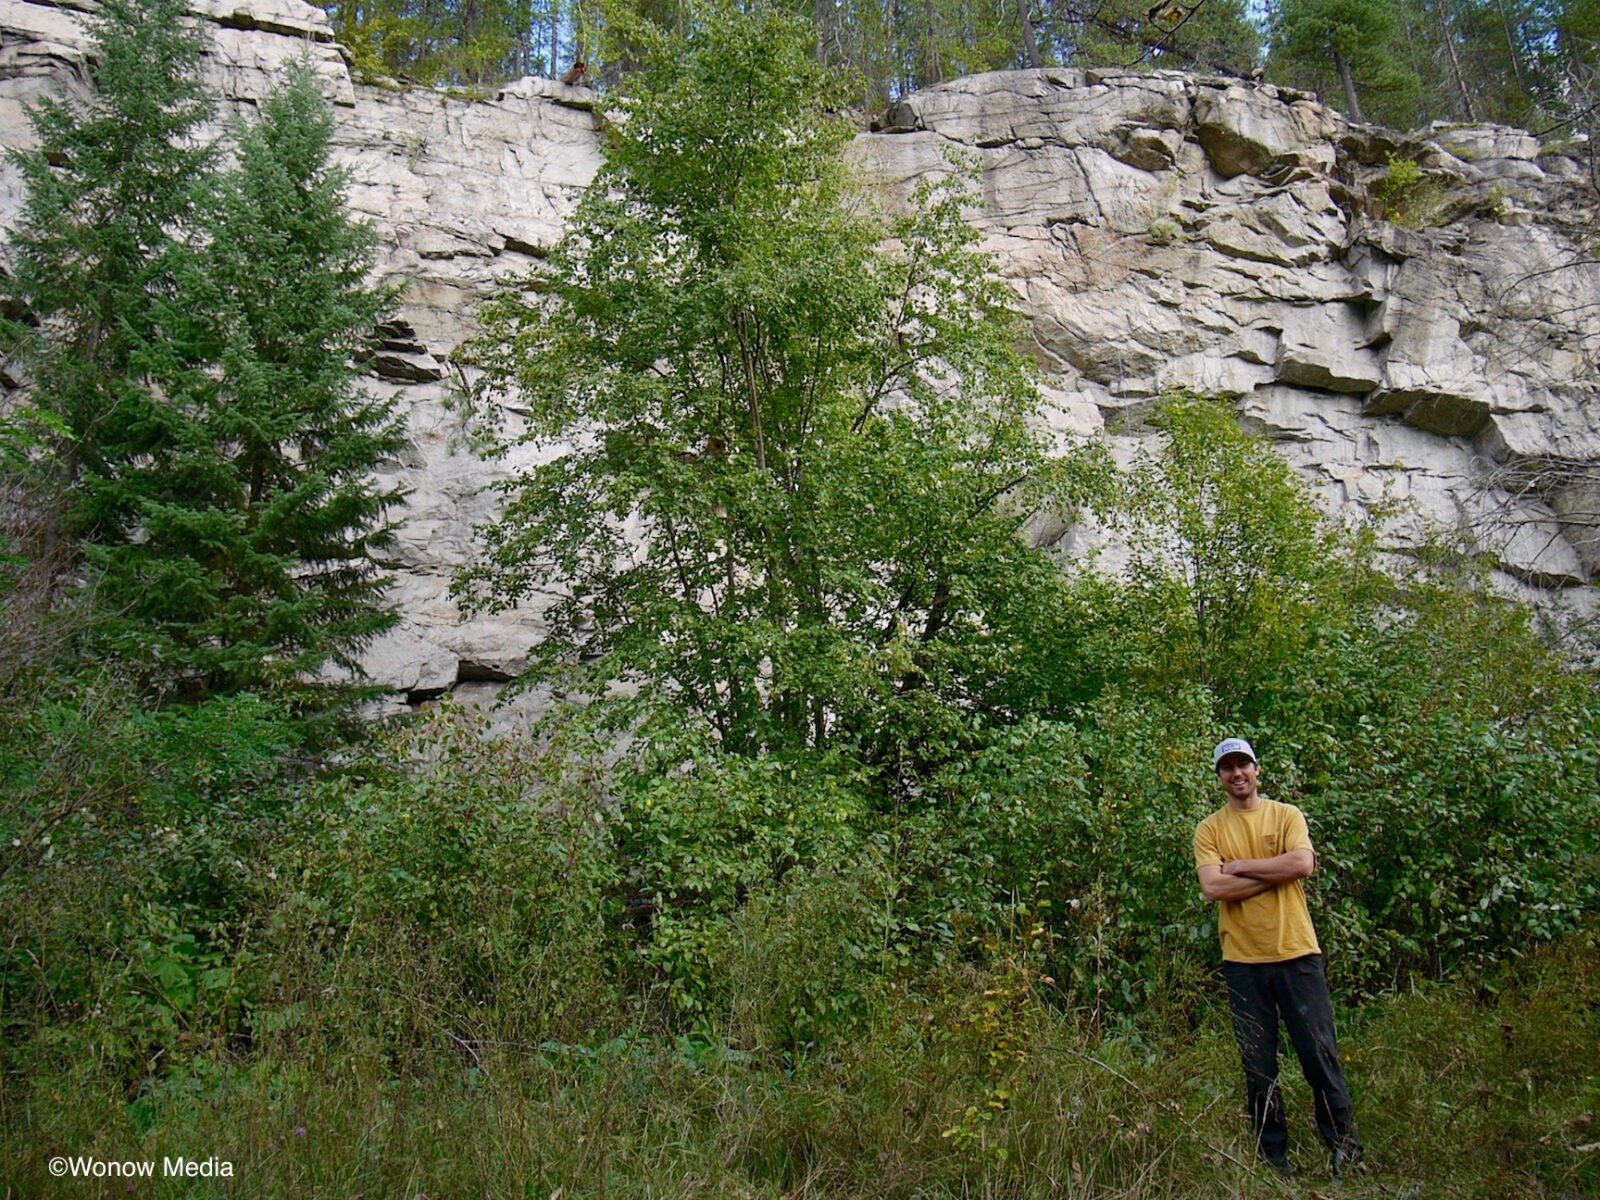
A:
x,y
1352,49
1577,54
469,42
1209,35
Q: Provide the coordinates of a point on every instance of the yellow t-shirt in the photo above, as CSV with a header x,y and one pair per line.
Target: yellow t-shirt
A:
x,y
1276,924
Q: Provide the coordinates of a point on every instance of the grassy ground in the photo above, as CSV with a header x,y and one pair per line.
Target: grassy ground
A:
x,y
973,1089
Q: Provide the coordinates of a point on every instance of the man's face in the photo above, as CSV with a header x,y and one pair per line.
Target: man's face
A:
x,y
1238,776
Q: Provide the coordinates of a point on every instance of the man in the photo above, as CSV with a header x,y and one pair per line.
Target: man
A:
x,y
1251,855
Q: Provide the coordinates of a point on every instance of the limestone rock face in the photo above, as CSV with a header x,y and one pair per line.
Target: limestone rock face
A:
x,y
1454,369
1160,230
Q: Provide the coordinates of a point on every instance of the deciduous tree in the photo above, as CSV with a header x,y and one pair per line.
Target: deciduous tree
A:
x,y
1229,551
789,459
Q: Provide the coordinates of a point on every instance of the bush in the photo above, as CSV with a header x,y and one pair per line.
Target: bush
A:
x,y
1407,195
1232,565
1083,832
1446,760
801,967
696,841
446,885
129,885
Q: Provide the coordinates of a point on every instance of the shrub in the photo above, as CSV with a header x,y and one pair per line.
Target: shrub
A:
x,y
1407,195
697,840
1085,832
129,888
801,966
1230,556
1446,761
449,885
1164,231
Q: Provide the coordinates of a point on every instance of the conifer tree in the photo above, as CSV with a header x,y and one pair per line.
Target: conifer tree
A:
x,y
282,289
190,333
1351,49
1192,35
110,196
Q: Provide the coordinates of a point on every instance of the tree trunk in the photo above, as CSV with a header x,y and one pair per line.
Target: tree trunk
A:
x,y
1351,101
1416,69
1030,39
555,38
1455,63
1511,45
891,75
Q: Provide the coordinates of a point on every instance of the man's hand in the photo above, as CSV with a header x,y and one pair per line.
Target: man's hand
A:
x,y
1246,877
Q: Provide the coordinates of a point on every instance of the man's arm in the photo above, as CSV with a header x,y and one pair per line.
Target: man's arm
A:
x,y
1281,868
1217,883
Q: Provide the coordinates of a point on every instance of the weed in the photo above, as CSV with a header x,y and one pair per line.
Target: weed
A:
x,y
1164,231
1457,1095
1407,195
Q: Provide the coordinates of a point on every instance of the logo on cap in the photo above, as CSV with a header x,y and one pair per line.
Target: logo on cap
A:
x,y
1229,746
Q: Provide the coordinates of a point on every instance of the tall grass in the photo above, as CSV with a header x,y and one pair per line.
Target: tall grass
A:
x,y
964,1084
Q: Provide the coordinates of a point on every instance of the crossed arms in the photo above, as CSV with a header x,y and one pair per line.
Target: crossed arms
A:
x,y
1246,877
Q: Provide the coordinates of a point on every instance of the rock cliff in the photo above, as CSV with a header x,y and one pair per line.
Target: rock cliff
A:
x,y
1160,230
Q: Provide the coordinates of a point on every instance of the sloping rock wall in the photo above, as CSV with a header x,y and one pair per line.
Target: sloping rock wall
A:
x,y
1161,230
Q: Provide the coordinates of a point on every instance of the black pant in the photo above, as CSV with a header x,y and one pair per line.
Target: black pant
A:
x,y
1297,991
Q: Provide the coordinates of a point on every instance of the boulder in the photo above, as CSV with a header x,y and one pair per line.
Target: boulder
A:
x,y
1248,131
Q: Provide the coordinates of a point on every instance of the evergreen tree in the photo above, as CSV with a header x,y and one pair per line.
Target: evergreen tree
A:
x,y
1502,57
898,46
1576,51
1414,61
1181,35
111,196
1434,52
282,286
1577,24
190,339
450,41
1350,49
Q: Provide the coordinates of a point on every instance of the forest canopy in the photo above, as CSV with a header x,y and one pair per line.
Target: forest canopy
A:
x,y
1401,62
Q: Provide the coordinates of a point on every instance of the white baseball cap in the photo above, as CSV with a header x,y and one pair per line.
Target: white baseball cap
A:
x,y
1229,746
